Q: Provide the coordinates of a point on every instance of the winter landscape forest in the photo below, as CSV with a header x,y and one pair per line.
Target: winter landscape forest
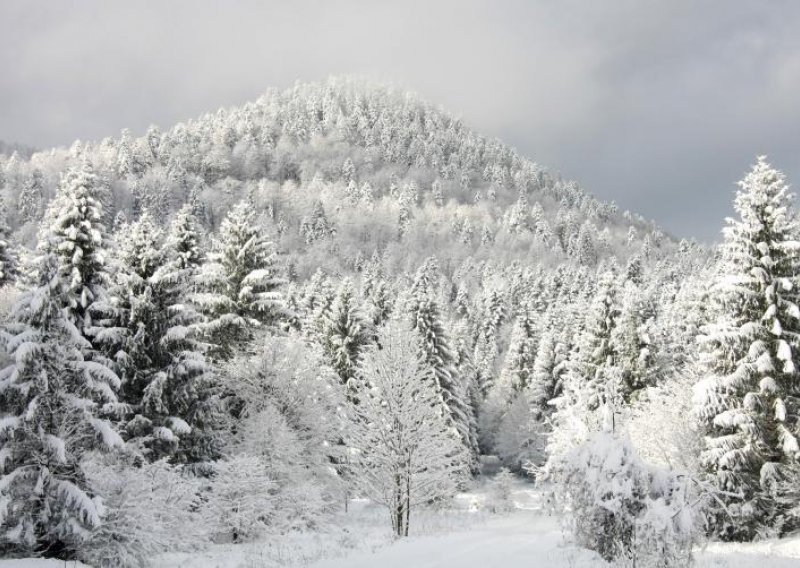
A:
x,y
336,326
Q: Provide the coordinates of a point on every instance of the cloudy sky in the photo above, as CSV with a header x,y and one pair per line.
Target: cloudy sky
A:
x,y
660,106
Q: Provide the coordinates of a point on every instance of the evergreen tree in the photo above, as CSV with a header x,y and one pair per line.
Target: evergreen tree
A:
x,y
595,361
589,390
516,373
9,263
239,283
316,226
316,304
543,382
76,236
346,333
166,381
31,197
633,343
185,240
426,319
54,391
747,398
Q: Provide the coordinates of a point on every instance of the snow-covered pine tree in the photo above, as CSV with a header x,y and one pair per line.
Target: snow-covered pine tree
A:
x,y
166,381
9,263
543,383
316,225
31,197
316,303
239,282
184,239
55,389
747,398
426,318
596,356
518,366
632,338
589,395
76,236
346,333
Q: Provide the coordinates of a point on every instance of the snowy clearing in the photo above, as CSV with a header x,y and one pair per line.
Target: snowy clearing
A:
x,y
464,536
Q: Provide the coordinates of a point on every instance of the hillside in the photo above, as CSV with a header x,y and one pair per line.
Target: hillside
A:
x,y
354,148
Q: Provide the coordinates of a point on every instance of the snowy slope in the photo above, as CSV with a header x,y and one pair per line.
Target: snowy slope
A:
x,y
523,538
462,537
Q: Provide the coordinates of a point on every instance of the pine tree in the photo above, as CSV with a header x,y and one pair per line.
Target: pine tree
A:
x,y
55,390
31,197
543,381
76,236
9,262
517,218
346,333
316,226
516,373
239,282
185,240
589,390
596,357
316,304
426,318
633,343
166,381
747,398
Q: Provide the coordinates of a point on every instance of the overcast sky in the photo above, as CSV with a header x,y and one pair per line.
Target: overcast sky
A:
x,y
660,106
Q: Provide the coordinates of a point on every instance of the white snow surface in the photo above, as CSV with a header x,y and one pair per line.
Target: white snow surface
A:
x,y
465,535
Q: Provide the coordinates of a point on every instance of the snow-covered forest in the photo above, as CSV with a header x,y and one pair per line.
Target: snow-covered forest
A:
x,y
248,325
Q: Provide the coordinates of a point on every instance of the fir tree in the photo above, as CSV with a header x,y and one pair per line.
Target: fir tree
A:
x,y
166,381
426,319
185,240
316,226
53,393
747,398
633,343
76,237
239,282
31,197
316,303
543,381
588,399
516,373
596,358
346,333
9,263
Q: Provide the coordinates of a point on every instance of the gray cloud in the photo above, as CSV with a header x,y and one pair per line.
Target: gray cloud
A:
x,y
658,105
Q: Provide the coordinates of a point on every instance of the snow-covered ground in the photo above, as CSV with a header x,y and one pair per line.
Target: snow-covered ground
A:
x,y
463,536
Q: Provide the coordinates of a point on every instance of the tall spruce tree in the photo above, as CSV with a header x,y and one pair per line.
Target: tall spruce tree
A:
x,y
632,338
518,366
346,333
56,389
426,318
9,262
185,240
239,283
747,398
543,382
166,380
75,235
590,386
